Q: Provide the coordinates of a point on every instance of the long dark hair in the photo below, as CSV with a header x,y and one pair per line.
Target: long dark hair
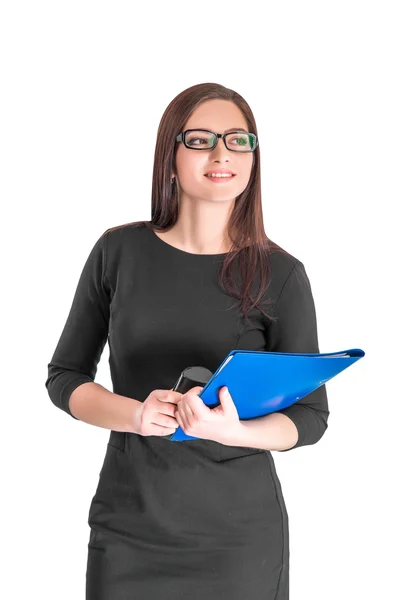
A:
x,y
251,247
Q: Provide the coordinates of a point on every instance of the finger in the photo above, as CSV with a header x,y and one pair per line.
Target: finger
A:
x,y
197,410
226,400
167,409
168,396
196,390
181,417
185,411
179,420
161,430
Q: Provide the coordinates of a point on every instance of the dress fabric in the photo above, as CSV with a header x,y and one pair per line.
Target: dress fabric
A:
x,y
193,519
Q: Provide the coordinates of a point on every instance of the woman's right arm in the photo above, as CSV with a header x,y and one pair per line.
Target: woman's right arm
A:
x,y
72,369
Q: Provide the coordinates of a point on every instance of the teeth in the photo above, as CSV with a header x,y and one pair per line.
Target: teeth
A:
x,y
218,175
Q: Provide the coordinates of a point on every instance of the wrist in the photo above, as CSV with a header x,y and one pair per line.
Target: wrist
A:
x,y
136,417
235,436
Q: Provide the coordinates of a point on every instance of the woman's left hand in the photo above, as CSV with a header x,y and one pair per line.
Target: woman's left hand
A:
x,y
220,424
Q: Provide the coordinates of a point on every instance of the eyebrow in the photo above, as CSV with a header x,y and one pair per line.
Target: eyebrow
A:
x,y
228,130
235,129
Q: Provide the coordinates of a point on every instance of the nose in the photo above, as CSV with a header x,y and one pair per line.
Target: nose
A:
x,y
220,149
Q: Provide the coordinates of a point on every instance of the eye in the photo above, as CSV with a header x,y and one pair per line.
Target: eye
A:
x,y
203,141
242,140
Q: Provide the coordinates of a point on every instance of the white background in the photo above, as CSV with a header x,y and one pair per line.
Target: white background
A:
x,y
81,81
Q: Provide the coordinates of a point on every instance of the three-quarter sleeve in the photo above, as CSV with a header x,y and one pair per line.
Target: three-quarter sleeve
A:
x,y
295,330
85,332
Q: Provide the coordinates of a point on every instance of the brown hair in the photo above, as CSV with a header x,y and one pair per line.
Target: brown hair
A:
x,y
250,245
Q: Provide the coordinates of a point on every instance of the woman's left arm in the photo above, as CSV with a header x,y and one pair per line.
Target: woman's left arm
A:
x,y
295,330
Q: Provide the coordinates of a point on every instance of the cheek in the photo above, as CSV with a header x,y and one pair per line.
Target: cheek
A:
x,y
244,173
190,167
248,165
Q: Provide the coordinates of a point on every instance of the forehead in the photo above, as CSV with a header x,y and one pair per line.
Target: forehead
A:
x,y
217,115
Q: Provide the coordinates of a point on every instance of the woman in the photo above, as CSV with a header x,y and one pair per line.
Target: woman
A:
x,y
205,518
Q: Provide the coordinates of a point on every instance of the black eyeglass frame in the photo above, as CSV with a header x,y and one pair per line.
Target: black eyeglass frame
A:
x,y
182,138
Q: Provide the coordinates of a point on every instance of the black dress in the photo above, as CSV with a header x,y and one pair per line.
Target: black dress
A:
x,y
186,520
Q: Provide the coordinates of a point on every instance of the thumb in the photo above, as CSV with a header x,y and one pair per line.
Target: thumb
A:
x,y
197,389
226,399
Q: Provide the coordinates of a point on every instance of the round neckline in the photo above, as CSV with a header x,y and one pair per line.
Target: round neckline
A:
x,y
183,252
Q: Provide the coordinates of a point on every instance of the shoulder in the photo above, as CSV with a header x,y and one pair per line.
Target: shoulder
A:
x,y
123,238
120,244
284,266
124,232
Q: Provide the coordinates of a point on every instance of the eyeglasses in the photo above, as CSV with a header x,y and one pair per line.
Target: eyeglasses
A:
x,y
203,139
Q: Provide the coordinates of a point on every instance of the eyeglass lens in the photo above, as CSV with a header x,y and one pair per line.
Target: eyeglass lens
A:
x,y
239,141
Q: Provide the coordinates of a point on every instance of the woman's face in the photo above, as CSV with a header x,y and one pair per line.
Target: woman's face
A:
x,y
217,116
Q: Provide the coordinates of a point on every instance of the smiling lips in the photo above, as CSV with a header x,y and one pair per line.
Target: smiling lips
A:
x,y
219,175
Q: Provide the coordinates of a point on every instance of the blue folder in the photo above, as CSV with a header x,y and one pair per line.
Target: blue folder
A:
x,y
264,382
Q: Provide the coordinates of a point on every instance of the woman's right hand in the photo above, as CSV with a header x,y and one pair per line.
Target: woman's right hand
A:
x,y
156,415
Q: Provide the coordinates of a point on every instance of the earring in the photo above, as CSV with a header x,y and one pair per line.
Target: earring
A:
x,y
173,180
